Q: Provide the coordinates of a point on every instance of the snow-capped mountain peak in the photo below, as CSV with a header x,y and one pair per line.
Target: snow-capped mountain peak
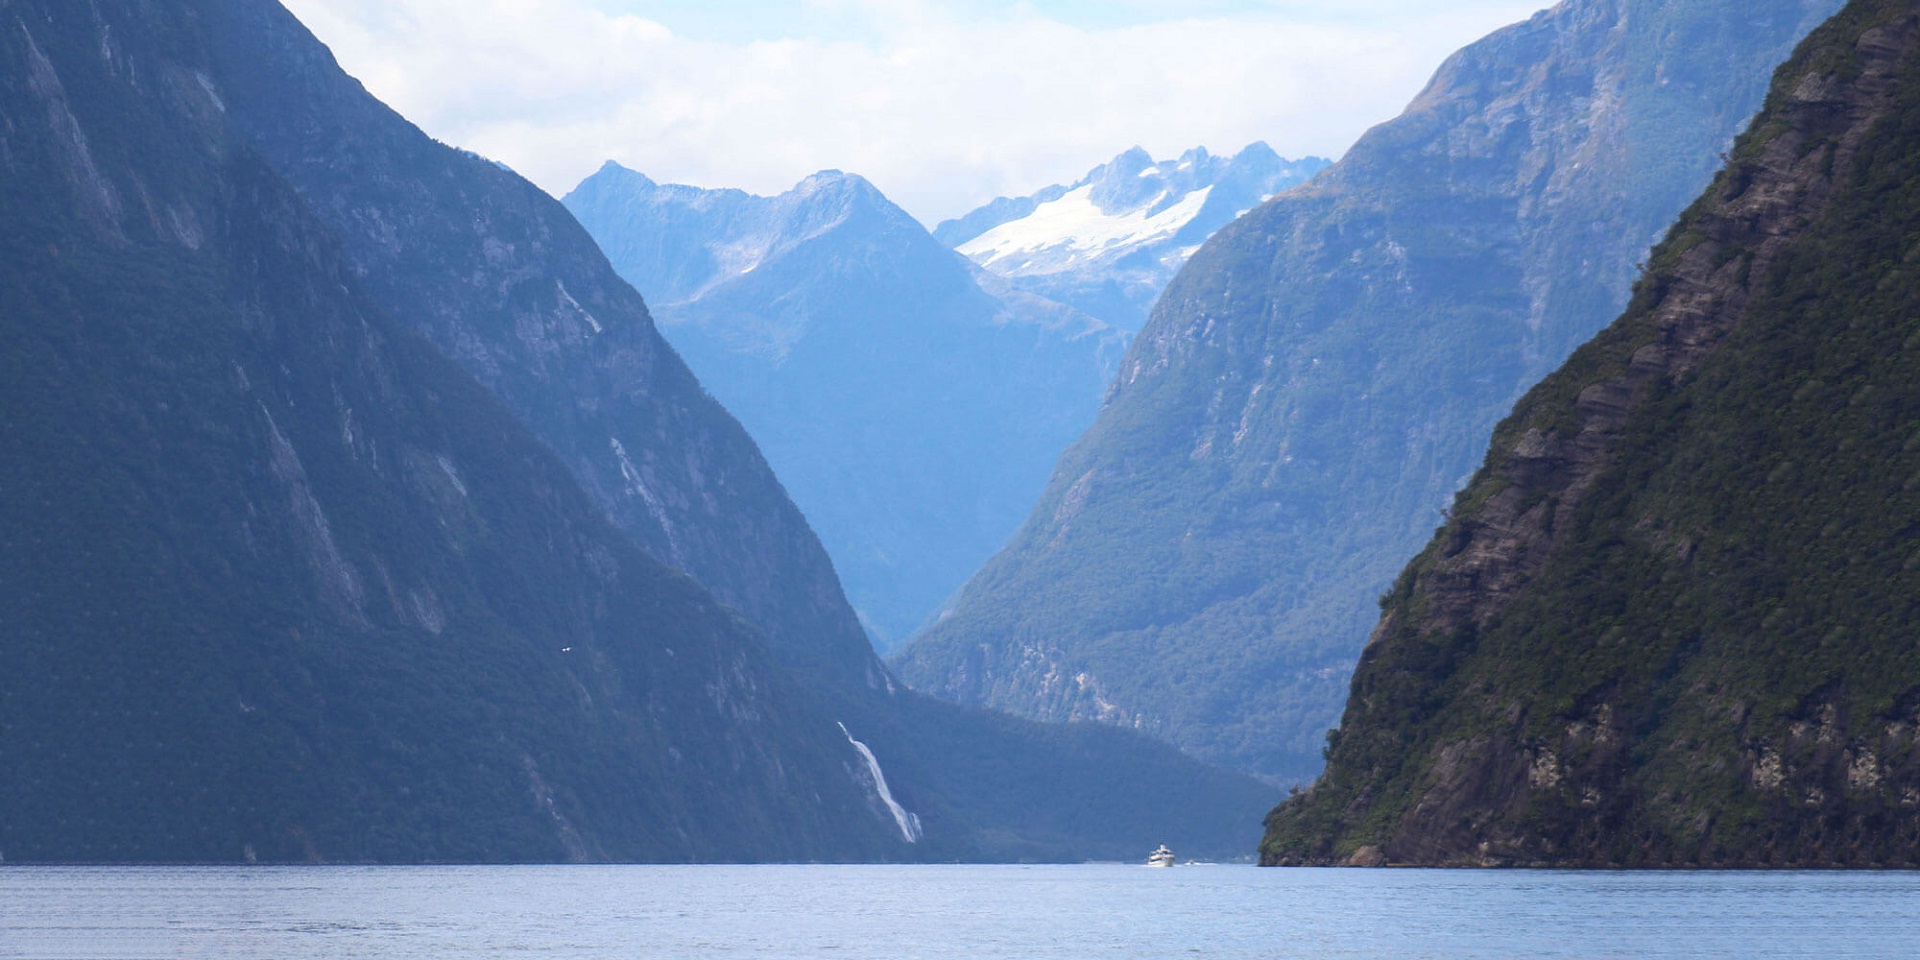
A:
x,y
1077,230
1109,242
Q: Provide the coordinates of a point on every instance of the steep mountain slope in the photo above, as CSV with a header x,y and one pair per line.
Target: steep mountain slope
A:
x,y
498,276
912,415
1320,376
1109,243
501,279
1671,620
277,580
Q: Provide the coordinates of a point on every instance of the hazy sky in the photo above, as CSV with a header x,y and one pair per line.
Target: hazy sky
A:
x,y
943,104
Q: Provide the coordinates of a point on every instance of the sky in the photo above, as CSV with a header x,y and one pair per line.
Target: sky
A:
x,y
943,104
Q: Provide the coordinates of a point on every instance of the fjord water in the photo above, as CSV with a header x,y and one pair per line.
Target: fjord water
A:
x,y
935,912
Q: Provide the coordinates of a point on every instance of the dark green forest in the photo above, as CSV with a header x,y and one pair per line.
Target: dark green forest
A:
x,y
1720,653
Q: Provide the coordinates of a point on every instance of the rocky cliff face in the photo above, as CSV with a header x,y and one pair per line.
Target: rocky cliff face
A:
x,y
277,581
912,414
1321,376
1667,623
502,280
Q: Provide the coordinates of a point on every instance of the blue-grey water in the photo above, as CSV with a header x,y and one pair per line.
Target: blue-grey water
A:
x,y
905,912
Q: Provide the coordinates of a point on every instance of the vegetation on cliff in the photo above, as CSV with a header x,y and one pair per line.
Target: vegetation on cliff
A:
x,y
1671,620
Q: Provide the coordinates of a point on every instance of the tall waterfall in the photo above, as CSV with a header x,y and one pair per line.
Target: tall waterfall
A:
x,y
908,821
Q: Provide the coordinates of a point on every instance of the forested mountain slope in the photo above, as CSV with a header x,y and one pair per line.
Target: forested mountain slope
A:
x,y
1671,621
1322,375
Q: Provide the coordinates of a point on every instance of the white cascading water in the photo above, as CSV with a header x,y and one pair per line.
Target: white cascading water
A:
x,y
908,821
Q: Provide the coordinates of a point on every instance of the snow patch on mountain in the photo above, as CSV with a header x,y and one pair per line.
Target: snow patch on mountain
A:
x,y
1108,243
1071,229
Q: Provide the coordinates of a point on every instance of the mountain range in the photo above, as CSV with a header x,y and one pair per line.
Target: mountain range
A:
x,y
356,511
354,508
502,279
1670,622
1318,379
1108,243
911,404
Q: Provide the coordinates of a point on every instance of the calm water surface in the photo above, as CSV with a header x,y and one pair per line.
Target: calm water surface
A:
x,y
905,912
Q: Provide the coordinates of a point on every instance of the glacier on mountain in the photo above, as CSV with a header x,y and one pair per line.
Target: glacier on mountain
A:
x,y
1108,243
1076,227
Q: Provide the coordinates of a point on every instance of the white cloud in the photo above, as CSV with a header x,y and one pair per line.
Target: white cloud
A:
x,y
942,110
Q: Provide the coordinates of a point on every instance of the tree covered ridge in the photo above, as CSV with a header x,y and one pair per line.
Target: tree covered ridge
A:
x,y
1670,620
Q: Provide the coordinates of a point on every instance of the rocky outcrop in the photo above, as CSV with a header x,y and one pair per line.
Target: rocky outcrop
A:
x,y
1646,634
1324,372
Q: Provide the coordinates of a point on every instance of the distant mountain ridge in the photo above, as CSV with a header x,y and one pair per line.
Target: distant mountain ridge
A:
x,y
1109,242
1321,375
686,240
911,404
